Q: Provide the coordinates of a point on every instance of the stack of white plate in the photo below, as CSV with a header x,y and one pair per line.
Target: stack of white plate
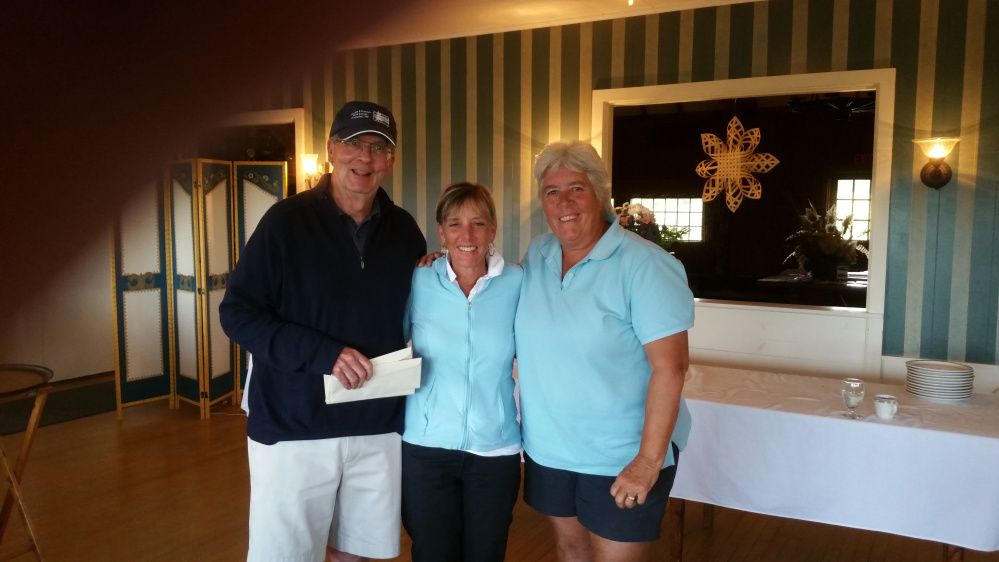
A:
x,y
939,380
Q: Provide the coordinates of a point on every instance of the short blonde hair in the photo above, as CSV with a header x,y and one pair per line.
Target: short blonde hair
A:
x,y
456,195
575,156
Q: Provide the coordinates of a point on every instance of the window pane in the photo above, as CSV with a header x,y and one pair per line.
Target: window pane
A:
x,y
862,210
843,207
683,219
844,189
695,234
683,206
862,189
860,230
670,219
696,206
671,205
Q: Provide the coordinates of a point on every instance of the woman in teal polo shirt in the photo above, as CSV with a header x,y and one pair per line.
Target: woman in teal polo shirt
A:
x,y
602,352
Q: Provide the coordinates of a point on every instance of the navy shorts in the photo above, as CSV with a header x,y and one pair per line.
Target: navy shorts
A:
x,y
563,493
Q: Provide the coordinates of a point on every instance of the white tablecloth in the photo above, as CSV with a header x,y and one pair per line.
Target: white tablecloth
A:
x,y
779,445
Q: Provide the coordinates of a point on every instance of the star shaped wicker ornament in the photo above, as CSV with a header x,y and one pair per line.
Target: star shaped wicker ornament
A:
x,y
731,167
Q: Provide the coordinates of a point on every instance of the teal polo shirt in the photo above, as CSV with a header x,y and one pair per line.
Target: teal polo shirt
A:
x,y
582,369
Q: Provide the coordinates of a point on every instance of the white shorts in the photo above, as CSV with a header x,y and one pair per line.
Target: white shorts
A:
x,y
344,492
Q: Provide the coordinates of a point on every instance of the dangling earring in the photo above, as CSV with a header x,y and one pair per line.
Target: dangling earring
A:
x,y
491,249
444,250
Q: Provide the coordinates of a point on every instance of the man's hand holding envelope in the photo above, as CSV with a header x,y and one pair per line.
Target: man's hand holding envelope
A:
x,y
356,378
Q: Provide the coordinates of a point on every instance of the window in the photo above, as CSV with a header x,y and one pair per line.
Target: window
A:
x,y
652,141
717,309
854,197
676,213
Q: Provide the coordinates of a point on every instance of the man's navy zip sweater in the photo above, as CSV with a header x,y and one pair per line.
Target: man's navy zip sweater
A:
x,y
300,292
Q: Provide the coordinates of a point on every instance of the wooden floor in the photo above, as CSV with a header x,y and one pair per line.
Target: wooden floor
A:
x,y
165,485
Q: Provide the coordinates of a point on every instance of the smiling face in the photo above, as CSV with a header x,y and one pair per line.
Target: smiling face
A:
x,y
572,209
466,234
358,173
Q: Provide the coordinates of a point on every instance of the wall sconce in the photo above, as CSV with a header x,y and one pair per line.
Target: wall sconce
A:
x,y
936,173
310,168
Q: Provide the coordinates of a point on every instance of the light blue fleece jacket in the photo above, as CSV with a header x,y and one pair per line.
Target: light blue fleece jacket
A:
x,y
465,400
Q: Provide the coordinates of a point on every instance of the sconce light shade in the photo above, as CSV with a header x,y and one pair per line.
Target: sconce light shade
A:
x,y
309,163
936,173
938,147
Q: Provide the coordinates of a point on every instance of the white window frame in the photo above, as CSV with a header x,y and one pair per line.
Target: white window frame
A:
x,y
823,341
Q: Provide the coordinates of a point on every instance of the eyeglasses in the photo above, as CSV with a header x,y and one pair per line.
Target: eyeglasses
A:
x,y
353,147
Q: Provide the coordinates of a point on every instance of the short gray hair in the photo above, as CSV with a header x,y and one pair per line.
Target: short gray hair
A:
x,y
575,156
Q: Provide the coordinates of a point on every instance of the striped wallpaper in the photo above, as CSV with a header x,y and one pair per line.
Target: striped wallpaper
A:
x,y
478,108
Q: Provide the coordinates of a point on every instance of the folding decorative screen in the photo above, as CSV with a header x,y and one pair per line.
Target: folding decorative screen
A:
x,y
184,294
258,186
170,343
205,355
140,284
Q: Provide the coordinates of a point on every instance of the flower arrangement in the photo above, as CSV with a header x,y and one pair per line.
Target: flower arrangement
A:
x,y
821,245
640,220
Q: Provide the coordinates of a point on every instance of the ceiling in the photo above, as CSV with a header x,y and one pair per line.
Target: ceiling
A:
x,y
426,20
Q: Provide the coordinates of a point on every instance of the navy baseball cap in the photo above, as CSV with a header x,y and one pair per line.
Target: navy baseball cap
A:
x,y
359,117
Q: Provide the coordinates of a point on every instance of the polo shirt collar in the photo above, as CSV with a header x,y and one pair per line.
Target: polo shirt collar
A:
x,y
494,267
608,243
376,209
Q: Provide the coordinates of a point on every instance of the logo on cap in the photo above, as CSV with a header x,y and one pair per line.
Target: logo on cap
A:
x,y
358,117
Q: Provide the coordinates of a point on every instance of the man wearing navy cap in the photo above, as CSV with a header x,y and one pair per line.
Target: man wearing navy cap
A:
x,y
320,288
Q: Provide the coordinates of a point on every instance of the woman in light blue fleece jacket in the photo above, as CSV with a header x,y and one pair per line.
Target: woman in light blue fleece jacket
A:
x,y
461,448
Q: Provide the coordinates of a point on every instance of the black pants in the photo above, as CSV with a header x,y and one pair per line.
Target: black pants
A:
x,y
457,506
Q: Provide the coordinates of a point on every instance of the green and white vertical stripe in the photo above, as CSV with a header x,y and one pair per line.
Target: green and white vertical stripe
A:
x,y
479,108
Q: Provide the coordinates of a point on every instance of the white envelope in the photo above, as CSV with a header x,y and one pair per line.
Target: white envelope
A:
x,y
404,353
395,374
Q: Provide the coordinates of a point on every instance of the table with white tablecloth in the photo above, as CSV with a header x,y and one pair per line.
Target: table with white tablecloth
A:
x,y
779,445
